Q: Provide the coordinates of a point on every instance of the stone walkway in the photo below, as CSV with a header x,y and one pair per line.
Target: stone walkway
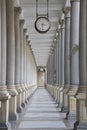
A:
x,y
41,114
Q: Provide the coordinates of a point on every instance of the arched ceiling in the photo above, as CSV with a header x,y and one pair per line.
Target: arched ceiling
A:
x,y
41,43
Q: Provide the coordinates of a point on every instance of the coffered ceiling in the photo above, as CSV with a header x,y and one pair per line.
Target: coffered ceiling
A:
x,y
41,43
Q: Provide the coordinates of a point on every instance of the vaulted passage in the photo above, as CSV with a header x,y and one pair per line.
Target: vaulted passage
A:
x,y
42,113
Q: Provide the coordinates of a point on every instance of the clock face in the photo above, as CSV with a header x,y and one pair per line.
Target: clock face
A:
x,y
42,24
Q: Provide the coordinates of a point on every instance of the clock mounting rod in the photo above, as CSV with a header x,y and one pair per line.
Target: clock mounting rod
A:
x,y
43,15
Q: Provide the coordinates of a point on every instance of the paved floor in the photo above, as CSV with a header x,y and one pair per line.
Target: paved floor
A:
x,y
41,114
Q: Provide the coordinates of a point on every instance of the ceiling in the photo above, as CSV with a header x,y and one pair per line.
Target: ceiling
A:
x,y
41,43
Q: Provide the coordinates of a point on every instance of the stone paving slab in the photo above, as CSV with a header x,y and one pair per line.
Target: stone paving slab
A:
x,y
42,124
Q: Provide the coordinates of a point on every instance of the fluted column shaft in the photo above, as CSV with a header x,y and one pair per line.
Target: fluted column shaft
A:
x,y
54,67
22,61
26,43
17,48
17,11
24,55
57,64
0,39
74,60
11,58
21,52
81,94
74,42
66,11
60,69
82,43
62,50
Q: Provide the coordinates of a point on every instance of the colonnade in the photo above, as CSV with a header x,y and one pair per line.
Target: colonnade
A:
x,y
18,72
70,89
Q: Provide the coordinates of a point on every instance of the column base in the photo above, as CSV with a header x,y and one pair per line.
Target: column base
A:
x,y
28,99
26,102
19,110
72,119
64,109
4,126
80,125
23,104
13,116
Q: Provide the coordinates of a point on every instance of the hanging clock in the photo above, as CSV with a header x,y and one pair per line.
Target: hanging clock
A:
x,y
42,24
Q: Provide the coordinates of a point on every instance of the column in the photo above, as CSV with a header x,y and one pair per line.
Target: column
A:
x,y
10,77
57,63
27,72
0,38
22,62
59,66
54,72
66,11
60,58
17,11
74,59
4,95
61,22
26,46
81,114
62,50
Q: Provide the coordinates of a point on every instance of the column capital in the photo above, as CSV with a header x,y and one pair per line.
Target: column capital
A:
x,y
74,0
25,30
28,41
61,21
22,21
18,10
66,9
27,36
58,30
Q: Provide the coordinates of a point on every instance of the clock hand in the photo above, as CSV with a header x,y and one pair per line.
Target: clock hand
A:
x,y
43,25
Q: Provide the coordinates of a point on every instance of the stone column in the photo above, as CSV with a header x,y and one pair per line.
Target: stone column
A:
x,y
17,11
66,11
59,66
10,78
61,22
60,69
26,53
22,62
27,67
4,95
74,59
54,68
81,113
0,39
